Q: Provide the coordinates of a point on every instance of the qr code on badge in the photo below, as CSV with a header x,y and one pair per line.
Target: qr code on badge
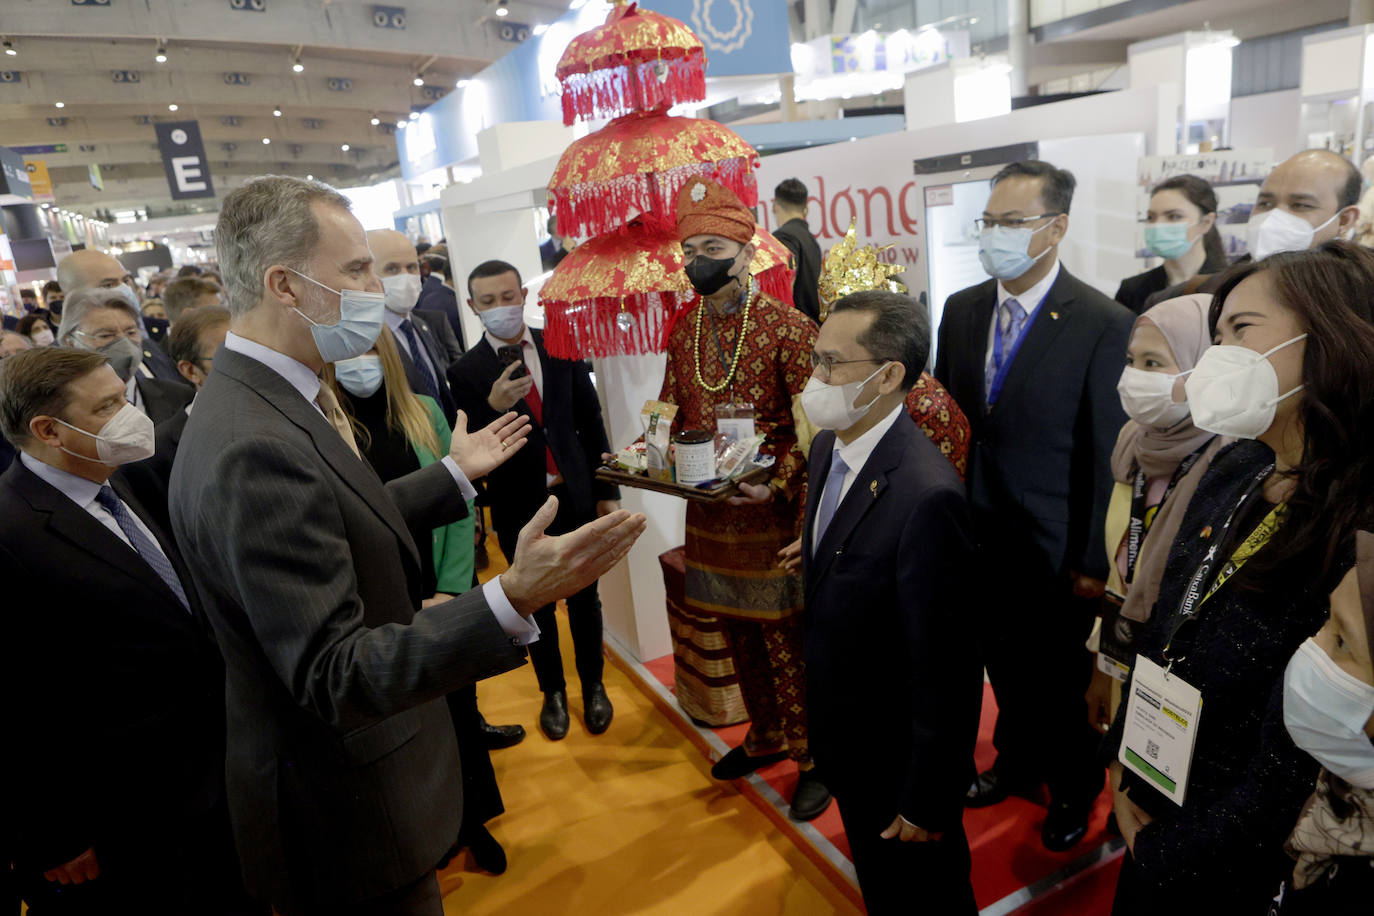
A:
x,y
1152,749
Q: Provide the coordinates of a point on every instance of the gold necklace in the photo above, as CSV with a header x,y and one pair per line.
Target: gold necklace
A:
x,y
739,345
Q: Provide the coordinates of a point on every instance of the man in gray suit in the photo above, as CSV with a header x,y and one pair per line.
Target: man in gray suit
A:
x,y
342,770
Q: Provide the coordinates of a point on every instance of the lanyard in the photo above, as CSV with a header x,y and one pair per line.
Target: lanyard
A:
x,y
1003,361
1142,516
1194,596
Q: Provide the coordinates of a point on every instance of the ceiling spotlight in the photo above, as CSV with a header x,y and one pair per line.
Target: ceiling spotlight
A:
x,y
461,83
502,11
296,64
266,141
172,107
540,28
414,115
309,177
376,121
419,80
276,111
161,55
400,125
9,48
60,104
344,147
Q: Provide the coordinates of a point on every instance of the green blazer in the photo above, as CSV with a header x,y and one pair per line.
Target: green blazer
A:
x,y
453,544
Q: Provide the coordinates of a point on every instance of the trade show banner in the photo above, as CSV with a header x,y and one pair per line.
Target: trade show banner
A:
x,y
183,158
39,179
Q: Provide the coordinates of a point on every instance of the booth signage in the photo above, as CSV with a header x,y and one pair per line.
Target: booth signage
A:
x,y
39,180
183,158
14,177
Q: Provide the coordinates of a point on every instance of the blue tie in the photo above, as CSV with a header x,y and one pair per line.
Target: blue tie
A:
x,y
418,355
150,552
1011,317
830,497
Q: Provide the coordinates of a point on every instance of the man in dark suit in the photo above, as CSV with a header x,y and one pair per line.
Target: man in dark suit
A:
x,y
567,440
115,798
789,215
91,267
105,320
343,772
1033,358
894,684
437,293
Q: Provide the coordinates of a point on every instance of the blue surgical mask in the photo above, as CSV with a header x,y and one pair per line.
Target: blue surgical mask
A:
x,y
1325,709
1169,240
359,324
360,376
503,321
1005,252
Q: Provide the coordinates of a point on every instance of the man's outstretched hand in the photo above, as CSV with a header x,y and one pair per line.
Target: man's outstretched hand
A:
x,y
548,568
479,453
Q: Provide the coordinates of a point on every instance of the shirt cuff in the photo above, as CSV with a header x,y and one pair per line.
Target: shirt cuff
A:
x,y
521,630
464,485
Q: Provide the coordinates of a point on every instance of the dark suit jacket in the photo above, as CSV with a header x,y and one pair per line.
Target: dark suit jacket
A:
x,y
436,297
893,683
806,256
150,478
1039,477
443,332
343,774
115,691
438,356
572,430
163,400
160,364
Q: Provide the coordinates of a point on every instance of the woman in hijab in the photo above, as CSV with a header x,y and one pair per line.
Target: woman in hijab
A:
x,y
1328,708
1160,456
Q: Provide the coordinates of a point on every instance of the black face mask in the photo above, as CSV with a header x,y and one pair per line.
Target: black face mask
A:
x,y
709,275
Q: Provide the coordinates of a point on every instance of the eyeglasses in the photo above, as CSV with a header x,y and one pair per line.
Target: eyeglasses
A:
x,y
1010,222
107,336
827,364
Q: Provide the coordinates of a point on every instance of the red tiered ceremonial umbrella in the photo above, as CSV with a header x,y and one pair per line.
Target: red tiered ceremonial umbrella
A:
x,y
637,60
772,267
638,163
615,295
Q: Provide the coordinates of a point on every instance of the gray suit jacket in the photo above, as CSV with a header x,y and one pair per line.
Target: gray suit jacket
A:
x,y
342,769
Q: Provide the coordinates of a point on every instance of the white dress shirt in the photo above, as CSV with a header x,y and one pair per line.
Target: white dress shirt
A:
x,y
133,395
300,377
83,492
1029,300
855,455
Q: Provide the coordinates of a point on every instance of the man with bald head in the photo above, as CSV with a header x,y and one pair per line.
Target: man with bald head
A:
x,y
425,357
91,267
1309,198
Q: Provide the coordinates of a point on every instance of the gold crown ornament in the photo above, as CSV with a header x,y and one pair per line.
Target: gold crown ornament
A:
x,y
851,268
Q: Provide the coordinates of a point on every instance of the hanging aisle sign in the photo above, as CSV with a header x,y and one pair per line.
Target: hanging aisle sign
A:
x,y
183,158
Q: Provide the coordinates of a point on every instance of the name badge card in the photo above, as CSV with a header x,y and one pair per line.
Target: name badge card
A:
x,y
1161,728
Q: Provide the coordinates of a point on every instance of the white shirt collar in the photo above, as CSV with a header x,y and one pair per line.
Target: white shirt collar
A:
x,y
297,373
857,453
78,489
131,392
496,343
1030,300
394,321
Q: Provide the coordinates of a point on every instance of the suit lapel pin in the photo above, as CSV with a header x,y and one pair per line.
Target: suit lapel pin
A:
x,y
873,488
1054,316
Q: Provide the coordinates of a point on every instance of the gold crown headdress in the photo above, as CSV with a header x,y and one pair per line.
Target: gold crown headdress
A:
x,y
851,268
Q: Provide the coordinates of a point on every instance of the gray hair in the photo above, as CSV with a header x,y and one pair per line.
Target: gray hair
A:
x,y
900,330
267,221
80,304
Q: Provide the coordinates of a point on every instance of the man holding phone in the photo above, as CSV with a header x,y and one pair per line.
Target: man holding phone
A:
x,y
509,369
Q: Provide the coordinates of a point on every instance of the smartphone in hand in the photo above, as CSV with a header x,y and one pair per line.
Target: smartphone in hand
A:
x,y
512,354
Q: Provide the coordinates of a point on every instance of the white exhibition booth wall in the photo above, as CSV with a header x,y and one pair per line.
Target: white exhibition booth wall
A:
x,y
1100,138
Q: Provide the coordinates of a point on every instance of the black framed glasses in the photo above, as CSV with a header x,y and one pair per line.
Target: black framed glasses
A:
x,y
1010,222
827,364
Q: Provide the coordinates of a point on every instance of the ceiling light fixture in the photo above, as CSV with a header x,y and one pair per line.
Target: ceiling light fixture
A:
x,y
400,125
344,147
414,116
296,64
540,28
266,141
9,48
60,104
276,111
502,11
172,107
161,55
462,83
309,177
419,79
376,121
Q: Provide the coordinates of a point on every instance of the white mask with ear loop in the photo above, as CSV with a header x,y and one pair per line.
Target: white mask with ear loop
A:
x,y
832,406
126,437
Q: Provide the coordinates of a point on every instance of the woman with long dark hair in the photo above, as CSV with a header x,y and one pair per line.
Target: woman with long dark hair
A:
x,y
1181,228
1266,537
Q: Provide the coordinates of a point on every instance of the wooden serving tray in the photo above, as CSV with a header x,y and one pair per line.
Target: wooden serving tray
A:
x,y
716,494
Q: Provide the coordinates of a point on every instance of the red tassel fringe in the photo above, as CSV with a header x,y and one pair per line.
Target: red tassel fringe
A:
x,y
579,330
777,282
628,88
596,208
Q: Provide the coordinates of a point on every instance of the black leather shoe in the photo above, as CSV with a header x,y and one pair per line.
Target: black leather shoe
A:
x,y
486,852
596,708
502,736
1065,826
991,788
810,799
553,718
736,764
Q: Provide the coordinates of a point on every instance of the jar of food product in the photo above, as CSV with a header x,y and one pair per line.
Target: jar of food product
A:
x,y
695,456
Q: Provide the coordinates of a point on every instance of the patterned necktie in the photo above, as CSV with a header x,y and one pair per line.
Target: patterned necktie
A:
x,y
336,417
1011,317
418,355
830,496
536,404
142,544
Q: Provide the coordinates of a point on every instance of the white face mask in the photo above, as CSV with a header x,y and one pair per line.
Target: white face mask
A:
x,y
1148,398
402,292
42,338
832,406
1234,391
505,322
1325,709
360,376
125,438
1278,230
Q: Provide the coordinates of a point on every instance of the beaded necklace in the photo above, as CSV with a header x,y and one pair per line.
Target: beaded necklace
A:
x,y
739,343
